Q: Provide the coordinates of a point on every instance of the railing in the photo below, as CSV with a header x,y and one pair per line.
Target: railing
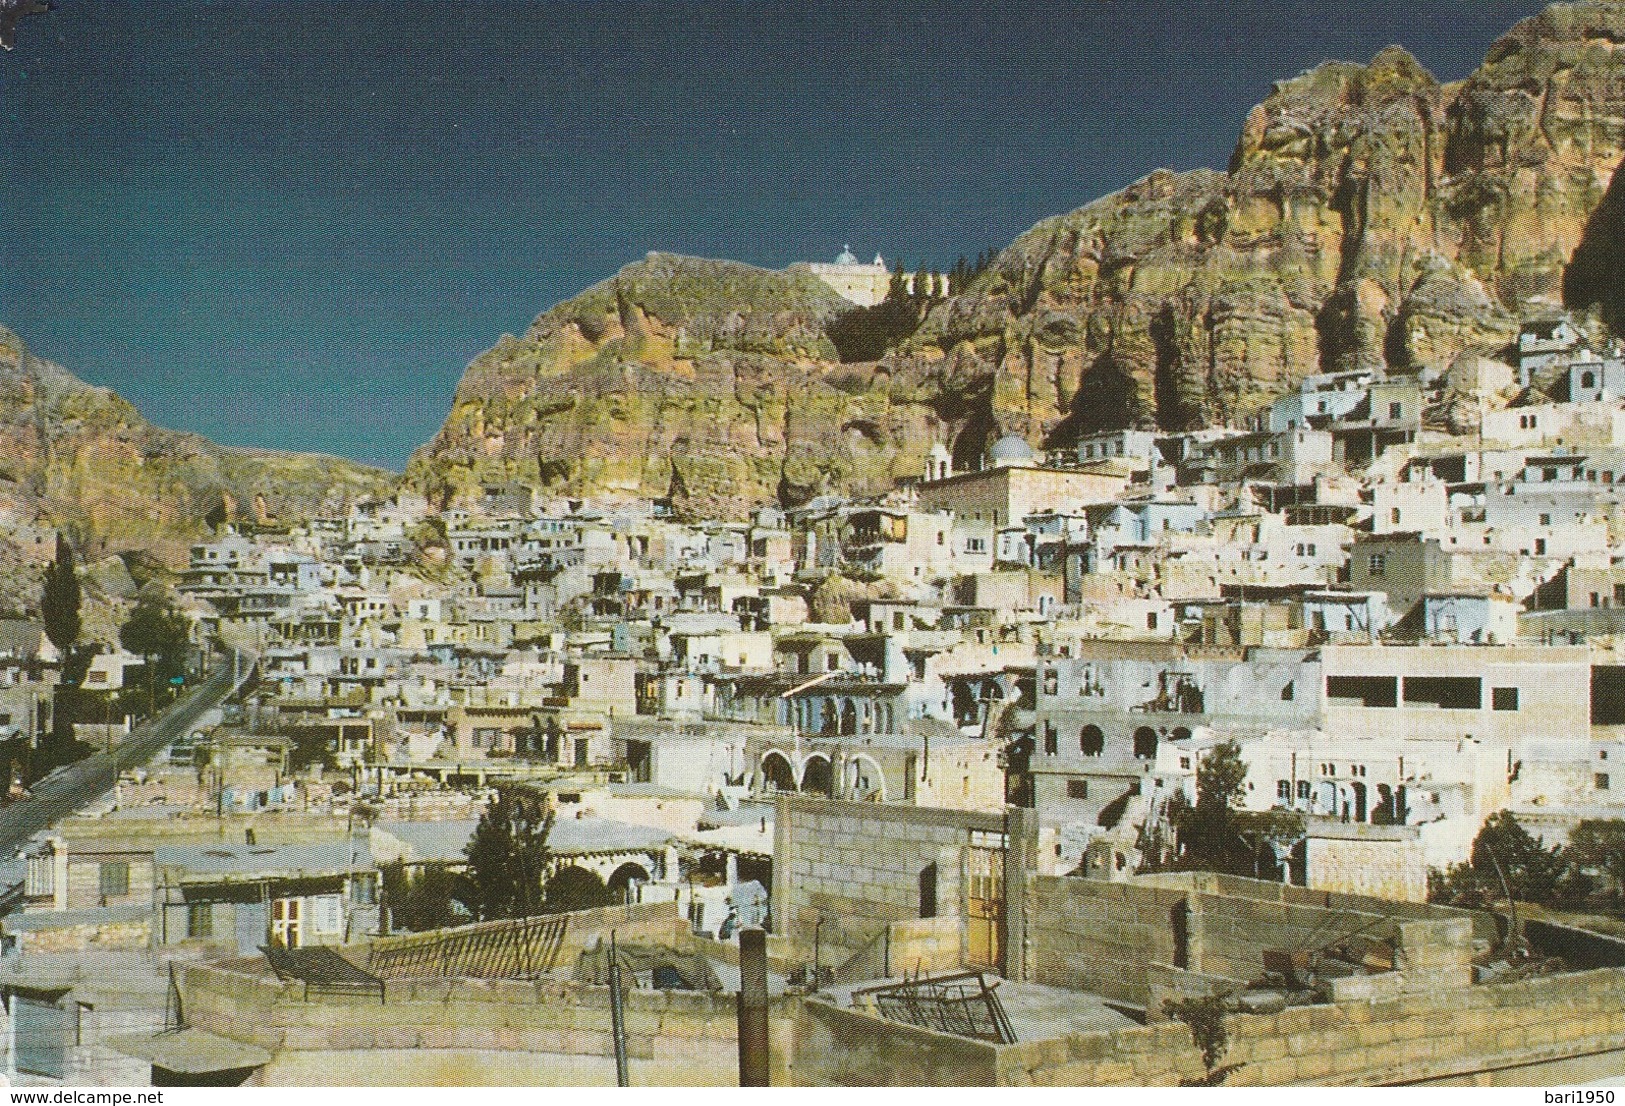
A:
x,y
521,949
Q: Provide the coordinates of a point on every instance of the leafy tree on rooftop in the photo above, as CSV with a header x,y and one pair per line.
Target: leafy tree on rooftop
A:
x,y
508,856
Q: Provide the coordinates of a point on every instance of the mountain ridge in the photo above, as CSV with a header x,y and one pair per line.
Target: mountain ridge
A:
x,y
1371,217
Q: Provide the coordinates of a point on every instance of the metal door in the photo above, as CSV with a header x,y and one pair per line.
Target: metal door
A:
x,y
984,907
251,927
44,1031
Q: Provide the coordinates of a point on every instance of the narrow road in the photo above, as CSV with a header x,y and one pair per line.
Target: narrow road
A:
x,y
58,796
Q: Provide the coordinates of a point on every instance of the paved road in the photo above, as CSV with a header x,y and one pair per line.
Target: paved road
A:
x,y
58,796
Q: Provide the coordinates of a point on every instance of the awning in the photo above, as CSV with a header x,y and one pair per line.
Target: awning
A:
x,y
191,1051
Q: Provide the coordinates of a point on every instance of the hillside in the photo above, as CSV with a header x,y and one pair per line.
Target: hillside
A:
x,y
81,459
1370,217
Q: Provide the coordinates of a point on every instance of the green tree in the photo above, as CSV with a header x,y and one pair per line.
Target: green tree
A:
x,y
1600,843
59,604
1531,869
898,288
162,635
1215,835
1206,836
508,856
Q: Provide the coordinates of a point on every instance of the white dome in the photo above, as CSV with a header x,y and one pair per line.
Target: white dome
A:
x,y
1012,449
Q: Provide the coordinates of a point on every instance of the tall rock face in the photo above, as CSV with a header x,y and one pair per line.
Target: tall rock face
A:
x,y
710,382
79,458
1370,218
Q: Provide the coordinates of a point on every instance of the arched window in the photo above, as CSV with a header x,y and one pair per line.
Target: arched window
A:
x,y
1145,743
1092,741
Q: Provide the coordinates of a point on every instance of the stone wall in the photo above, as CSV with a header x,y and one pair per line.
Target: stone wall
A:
x,y
1229,935
1099,936
134,933
679,1030
859,866
1386,869
1482,1034
1104,937
848,1048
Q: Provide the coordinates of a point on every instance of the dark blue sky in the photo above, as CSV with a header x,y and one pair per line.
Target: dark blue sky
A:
x,y
289,223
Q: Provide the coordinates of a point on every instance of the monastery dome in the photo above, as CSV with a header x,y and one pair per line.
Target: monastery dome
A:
x,y
1012,449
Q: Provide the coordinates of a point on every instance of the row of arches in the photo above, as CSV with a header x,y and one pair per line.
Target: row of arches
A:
x,y
841,716
862,777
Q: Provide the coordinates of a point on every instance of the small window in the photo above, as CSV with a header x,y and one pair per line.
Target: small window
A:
x,y
1151,620
1377,564
1288,692
1077,789
1303,789
1540,547
1504,698
1601,780
115,878
1283,790
1396,410
1050,743
199,920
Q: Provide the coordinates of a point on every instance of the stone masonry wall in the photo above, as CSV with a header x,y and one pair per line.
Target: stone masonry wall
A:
x,y
858,865
1429,1035
1229,935
1099,936
849,1048
544,1017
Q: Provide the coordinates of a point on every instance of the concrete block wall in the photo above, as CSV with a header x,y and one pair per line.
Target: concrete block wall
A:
x,y
858,865
1099,936
1468,1034
543,1017
848,1048
1395,870
1228,935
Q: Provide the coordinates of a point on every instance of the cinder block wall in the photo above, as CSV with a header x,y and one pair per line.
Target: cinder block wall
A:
x,y
1465,1033
545,1017
858,866
1099,936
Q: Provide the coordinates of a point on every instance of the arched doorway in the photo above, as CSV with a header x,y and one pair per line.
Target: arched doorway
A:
x,y
864,779
777,774
625,878
816,778
849,718
1092,741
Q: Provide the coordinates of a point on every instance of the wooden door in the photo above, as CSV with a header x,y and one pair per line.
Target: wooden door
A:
x,y
984,907
285,922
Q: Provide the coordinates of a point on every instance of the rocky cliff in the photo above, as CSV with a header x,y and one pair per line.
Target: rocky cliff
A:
x,y
1370,217
79,458
709,381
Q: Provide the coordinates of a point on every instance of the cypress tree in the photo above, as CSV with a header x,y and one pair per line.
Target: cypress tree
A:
x,y
59,605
